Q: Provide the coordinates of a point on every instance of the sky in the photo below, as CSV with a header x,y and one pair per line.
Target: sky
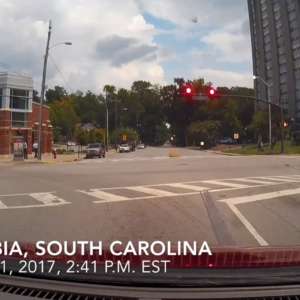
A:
x,y
120,41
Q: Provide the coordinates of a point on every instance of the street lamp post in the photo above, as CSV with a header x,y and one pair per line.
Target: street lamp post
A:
x,y
268,85
43,87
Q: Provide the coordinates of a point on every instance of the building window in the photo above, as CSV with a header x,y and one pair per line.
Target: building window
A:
x,y
18,119
19,99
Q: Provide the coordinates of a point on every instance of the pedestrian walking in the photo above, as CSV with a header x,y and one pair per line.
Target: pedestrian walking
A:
x,y
35,149
25,150
54,153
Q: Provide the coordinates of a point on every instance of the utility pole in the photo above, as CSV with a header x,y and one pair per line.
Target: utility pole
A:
x,y
270,116
281,129
43,93
107,122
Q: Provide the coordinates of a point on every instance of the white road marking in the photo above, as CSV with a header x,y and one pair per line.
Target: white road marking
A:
x,y
187,186
229,184
2,205
251,180
288,178
248,225
47,199
151,191
104,196
275,178
232,202
259,197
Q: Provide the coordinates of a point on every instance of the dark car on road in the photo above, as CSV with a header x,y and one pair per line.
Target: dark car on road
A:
x,y
95,150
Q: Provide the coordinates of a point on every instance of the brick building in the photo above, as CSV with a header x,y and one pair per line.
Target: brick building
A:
x,y
19,115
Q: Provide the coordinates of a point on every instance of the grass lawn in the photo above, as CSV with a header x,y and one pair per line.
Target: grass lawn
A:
x,y
289,148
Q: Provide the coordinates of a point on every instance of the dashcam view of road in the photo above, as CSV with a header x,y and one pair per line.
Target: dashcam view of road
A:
x,y
148,195
141,125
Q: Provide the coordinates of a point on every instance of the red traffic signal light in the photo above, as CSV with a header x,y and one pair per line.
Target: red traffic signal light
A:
x,y
187,91
212,93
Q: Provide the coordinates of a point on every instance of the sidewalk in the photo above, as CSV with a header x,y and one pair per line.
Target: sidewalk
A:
x,y
48,158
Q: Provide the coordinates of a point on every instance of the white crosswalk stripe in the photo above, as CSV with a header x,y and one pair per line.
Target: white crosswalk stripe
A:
x,y
228,184
104,196
278,179
188,186
151,191
251,180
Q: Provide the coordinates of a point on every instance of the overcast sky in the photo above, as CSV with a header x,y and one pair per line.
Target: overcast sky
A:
x,y
119,41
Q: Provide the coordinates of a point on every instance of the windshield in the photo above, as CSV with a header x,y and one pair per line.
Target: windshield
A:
x,y
94,145
142,130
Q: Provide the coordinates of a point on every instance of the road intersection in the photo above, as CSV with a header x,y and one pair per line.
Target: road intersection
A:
x,y
256,200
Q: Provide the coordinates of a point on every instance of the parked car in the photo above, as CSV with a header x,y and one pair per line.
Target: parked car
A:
x,y
227,141
141,146
95,150
124,148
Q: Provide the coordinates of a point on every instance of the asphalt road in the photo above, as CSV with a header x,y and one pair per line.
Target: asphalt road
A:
x,y
145,195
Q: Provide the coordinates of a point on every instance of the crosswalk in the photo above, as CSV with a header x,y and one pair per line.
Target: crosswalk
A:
x,y
152,158
143,192
176,189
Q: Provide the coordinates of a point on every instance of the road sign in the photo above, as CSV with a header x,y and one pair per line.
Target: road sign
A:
x,y
236,136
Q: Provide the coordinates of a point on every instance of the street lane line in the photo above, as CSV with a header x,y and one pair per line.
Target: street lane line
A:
x,y
188,186
259,197
104,196
152,191
47,199
248,225
250,180
229,184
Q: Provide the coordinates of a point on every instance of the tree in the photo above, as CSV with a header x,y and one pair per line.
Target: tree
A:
x,y
206,131
96,136
55,94
259,126
81,136
64,117
90,108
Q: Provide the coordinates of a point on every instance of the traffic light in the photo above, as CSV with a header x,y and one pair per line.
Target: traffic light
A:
x,y
187,91
212,93
285,124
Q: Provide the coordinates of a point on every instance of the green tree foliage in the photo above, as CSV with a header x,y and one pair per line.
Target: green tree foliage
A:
x,y
84,137
260,124
81,136
146,108
64,117
206,131
58,93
